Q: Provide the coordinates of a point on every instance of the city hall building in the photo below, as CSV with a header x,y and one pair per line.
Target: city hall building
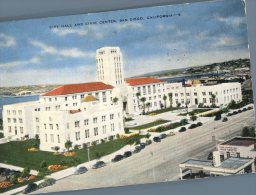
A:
x,y
94,112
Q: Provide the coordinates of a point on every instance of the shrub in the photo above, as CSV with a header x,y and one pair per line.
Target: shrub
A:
x,y
126,130
43,165
184,121
147,135
148,142
25,172
94,143
13,178
47,182
117,136
111,138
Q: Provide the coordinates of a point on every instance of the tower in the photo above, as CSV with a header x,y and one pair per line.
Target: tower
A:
x,y
109,61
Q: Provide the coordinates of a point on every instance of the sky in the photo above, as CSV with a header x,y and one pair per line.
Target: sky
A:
x,y
36,52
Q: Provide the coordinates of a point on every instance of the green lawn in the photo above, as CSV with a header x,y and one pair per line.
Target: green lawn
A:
x,y
162,111
15,153
148,125
196,111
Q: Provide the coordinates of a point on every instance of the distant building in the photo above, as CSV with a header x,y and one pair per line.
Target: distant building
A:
x,y
238,147
206,95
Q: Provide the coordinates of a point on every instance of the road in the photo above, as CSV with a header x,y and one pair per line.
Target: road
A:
x,y
159,161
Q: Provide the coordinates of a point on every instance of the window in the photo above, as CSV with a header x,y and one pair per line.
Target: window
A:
x,y
104,98
144,90
95,120
104,129
96,131
45,135
103,118
228,154
37,119
52,138
14,120
204,100
77,136
51,126
210,93
20,112
66,98
238,155
14,112
21,130
176,94
86,132
203,93
82,96
50,99
20,120
111,116
8,112
76,123
57,126
86,122
195,94
10,129
44,126
58,138
112,126
9,120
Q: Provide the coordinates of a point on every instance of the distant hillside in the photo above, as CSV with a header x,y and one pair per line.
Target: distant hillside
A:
x,y
222,66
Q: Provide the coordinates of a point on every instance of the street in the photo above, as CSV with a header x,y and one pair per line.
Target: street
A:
x,y
158,162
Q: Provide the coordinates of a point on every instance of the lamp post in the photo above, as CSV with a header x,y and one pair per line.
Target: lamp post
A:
x,y
88,152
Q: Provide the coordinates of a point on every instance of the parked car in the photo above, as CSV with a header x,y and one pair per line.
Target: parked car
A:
x,y
225,119
30,188
117,158
148,142
199,124
142,145
99,164
162,136
81,170
47,182
192,126
244,109
137,150
235,112
157,139
229,114
249,108
217,117
127,154
210,156
239,111
182,129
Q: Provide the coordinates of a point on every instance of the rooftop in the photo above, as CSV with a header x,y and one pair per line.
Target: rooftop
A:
x,y
240,141
230,163
142,81
78,88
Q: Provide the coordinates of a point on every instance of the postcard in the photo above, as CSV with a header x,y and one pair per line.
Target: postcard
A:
x,y
126,97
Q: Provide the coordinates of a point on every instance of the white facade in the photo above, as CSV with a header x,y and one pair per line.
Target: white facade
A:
x,y
203,94
244,147
109,61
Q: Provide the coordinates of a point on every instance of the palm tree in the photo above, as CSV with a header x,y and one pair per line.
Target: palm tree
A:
x,y
115,100
170,99
68,144
148,104
213,99
164,98
138,98
143,100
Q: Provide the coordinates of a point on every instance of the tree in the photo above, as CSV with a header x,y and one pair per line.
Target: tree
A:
x,y
68,145
143,100
138,98
248,132
213,100
37,136
164,98
56,148
43,165
148,105
115,100
193,117
13,178
184,121
170,99
25,172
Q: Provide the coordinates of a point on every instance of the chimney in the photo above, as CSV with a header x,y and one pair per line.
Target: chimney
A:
x,y
216,159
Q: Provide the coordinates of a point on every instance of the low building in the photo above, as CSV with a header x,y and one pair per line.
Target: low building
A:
x,y
198,94
238,147
216,167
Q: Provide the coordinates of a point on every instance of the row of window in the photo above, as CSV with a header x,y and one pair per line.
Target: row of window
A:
x,y
51,137
14,112
95,120
148,89
15,130
15,120
95,131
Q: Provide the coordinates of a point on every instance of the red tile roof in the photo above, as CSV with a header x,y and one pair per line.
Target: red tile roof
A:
x,y
142,81
78,88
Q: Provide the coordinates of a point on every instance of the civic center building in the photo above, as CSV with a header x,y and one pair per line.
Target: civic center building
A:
x,y
93,112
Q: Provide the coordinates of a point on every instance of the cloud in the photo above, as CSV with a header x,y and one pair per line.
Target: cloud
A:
x,y
69,53
83,73
18,63
6,41
233,21
226,41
